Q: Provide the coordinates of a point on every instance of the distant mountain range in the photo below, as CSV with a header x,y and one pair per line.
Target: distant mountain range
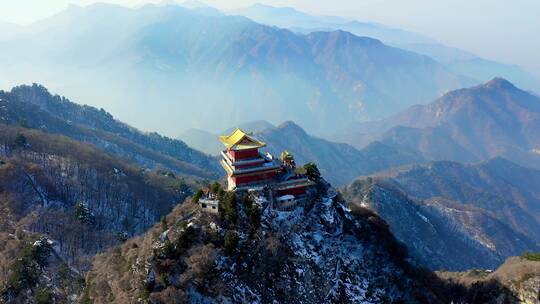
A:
x,y
287,17
442,210
34,107
468,125
169,68
459,61
339,163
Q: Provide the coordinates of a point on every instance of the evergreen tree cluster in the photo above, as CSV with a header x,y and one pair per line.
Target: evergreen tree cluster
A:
x,y
27,269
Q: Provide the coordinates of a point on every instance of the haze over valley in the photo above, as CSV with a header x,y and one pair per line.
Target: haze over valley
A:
x,y
188,56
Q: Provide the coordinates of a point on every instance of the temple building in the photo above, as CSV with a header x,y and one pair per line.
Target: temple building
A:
x,y
248,168
244,163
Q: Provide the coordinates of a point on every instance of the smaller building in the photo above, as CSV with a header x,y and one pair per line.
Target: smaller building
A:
x,y
209,203
286,202
288,198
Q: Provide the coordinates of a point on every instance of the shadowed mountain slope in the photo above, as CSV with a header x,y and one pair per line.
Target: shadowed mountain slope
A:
x,y
442,209
339,162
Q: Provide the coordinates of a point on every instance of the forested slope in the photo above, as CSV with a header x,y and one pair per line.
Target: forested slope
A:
x,y
34,107
78,196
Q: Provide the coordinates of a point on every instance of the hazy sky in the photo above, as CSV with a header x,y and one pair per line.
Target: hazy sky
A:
x,y
507,31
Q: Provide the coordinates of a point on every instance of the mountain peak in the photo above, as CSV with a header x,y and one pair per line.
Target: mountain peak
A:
x,y
35,88
496,86
500,83
292,129
73,7
291,125
190,3
259,5
255,126
344,37
103,5
500,162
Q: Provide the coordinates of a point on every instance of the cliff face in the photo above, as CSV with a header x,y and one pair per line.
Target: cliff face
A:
x,y
319,253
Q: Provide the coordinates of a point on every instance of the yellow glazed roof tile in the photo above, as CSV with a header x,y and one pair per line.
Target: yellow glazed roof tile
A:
x,y
240,140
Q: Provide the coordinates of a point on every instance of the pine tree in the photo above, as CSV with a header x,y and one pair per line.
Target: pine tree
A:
x,y
197,196
21,141
230,210
215,187
230,241
312,172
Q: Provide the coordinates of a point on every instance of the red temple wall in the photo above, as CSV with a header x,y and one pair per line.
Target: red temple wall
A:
x,y
239,155
253,164
254,178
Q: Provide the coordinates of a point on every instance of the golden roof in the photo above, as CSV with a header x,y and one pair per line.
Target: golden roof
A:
x,y
240,140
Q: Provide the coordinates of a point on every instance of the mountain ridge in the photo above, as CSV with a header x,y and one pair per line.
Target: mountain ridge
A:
x,y
33,106
170,50
468,125
459,61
